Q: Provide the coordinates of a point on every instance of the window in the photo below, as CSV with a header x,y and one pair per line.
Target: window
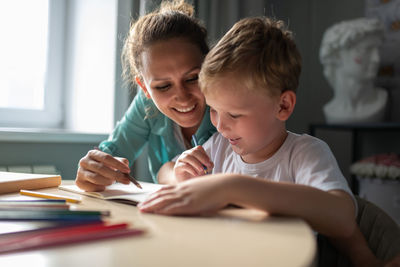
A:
x,y
30,51
90,65
58,64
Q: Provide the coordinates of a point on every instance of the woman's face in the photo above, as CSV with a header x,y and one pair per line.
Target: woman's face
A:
x,y
170,78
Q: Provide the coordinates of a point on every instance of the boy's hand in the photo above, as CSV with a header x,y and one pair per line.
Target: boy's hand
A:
x,y
195,196
192,163
98,169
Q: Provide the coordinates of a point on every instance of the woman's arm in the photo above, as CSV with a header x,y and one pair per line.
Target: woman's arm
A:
x,y
98,169
166,173
131,133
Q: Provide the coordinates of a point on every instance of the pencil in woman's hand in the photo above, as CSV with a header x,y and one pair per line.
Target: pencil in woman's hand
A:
x,y
133,180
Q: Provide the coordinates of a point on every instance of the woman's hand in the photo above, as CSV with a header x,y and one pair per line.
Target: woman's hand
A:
x,y
195,196
98,169
192,163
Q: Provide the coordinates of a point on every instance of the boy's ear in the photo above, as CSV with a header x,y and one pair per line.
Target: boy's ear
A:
x,y
140,82
287,101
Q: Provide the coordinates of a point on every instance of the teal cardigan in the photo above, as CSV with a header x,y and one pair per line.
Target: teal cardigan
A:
x,y
143,124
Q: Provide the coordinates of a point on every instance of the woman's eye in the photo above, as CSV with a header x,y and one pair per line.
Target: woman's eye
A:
x,y
162,87
193,79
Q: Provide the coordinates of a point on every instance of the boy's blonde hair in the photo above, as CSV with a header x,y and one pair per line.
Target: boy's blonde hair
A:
x,y
174,19
260,51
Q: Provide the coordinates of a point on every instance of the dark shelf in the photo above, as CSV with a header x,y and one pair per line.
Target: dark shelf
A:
x,y
356,129
387,126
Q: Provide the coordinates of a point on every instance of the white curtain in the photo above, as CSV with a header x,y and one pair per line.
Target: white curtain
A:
x,y
220,15
217,15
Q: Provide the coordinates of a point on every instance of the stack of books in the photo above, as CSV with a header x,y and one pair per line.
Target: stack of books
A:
x,y
56,210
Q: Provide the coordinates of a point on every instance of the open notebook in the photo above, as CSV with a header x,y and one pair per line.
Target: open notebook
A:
x,y
122,193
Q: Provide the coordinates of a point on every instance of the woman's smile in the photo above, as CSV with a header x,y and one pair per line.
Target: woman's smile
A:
x,y
186,109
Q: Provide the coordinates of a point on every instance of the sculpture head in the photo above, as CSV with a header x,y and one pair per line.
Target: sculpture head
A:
x,y
349,49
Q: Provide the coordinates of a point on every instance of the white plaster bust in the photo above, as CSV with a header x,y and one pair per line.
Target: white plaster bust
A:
x,y
349,54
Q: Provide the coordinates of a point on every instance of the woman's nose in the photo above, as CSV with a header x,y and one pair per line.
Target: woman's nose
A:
x,y
182,93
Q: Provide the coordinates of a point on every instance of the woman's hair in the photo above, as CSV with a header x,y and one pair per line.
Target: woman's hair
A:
x,y
173,19
260,51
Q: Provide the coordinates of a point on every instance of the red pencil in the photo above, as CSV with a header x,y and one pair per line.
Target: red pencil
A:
x,y
60,236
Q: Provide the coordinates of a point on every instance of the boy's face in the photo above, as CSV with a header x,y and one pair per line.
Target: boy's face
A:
x,y
248,119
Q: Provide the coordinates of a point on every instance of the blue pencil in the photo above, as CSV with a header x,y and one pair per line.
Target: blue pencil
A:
x,y
52,215
39,201
194,139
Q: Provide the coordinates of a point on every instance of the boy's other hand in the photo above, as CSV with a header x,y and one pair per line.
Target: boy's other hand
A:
x,y
192,163
195,196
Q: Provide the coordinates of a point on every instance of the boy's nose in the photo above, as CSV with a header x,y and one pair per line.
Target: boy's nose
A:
x,y
221,126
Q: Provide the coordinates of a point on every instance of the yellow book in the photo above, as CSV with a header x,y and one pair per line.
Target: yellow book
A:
x,y
13,182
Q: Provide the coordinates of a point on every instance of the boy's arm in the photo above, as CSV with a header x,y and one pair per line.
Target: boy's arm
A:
x,y
330,213
356,249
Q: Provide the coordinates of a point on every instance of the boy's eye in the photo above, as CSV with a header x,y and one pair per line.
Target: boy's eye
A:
x,y
234,116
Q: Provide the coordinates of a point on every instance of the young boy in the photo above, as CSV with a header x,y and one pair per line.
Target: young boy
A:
x,y
249,80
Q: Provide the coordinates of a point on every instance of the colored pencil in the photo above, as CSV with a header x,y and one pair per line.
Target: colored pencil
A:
x,y
52,215
45,201
62,236
194,139
48,196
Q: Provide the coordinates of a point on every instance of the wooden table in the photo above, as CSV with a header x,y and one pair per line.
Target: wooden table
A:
x,y
233,237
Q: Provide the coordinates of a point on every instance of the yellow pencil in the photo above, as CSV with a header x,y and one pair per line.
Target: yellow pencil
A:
x,y
48,196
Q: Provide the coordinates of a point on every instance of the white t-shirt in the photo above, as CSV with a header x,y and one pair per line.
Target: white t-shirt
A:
x,y
302,159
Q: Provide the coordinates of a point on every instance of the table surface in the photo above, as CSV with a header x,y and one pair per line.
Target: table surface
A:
x,y
232,237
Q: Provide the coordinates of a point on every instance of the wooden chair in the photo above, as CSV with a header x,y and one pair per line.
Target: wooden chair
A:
x,y
379,229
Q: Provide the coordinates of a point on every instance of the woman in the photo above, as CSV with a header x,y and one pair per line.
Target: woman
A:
x,y
163,54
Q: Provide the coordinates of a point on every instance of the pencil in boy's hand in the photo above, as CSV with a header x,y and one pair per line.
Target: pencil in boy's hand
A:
x,y
194,139
133,180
